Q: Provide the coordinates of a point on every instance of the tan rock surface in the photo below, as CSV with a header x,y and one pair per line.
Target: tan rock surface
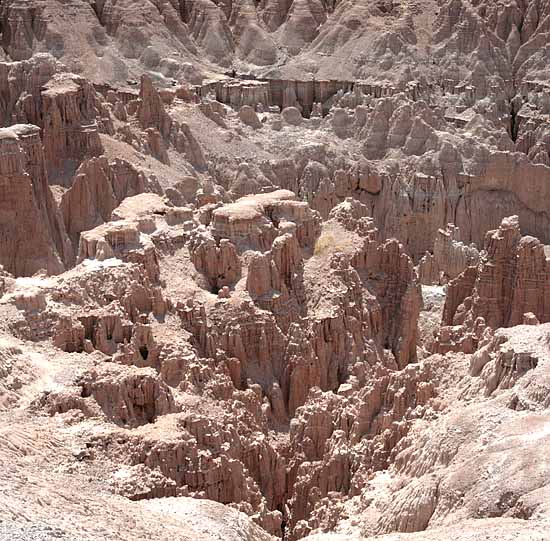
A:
x,y
509,282
271,270
33,236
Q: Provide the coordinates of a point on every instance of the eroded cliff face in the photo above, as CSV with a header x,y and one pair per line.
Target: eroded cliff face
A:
x,y
298,329
33,234
373,148
275,306
483,44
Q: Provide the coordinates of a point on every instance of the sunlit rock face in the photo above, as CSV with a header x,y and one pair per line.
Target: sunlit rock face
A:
x,y
274,270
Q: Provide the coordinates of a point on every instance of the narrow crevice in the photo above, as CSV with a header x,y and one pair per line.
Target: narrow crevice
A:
x,y
514,125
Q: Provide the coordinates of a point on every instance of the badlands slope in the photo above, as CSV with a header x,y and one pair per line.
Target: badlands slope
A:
x,y
275,270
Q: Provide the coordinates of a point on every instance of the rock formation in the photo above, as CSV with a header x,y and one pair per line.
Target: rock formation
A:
x,y
274,270
450,257
510,281
33,236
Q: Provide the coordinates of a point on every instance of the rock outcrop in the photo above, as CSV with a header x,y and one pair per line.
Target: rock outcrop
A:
x,y
311,299
120,239
22,83
510,281
33,235
150,110
128,397
97,189
69,120
450,257
218,261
